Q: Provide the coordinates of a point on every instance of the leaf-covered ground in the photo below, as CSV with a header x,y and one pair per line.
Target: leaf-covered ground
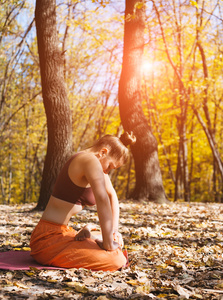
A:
x,y
175,252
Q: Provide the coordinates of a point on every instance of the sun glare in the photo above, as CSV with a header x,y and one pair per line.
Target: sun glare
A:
x,y
147,67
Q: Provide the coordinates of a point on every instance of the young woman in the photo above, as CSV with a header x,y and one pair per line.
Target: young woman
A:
x,y
84,181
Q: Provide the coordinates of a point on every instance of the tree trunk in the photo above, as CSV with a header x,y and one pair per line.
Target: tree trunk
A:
x,y
58,113
207,127
212,143
149,184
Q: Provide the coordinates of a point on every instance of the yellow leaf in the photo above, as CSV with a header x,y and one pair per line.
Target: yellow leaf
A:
x,y
166,233
121,177
197,296
133,282
51,280
175,261
71,283
150,257
134,247
17,249
78,287
219,286
30,273
162,295
20,285
201,225
139,5
34,269
194,3
135,236
15,234
210,262
162,266
143,289
26,248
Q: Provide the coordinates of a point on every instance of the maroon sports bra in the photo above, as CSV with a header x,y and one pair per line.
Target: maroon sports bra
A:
x,y
66,190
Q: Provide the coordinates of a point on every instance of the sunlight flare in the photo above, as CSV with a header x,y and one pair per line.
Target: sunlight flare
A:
x,y
147,66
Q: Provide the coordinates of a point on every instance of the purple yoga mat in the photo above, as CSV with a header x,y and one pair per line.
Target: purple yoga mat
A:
x,y
20,260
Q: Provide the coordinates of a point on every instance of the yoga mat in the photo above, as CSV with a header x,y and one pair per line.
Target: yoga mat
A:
x,y
20,260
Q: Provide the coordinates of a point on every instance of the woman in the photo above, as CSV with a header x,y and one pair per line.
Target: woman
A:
x,y
84,181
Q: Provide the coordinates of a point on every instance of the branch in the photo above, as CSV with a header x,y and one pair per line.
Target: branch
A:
x,y
166,47
11,60
211,141
15,112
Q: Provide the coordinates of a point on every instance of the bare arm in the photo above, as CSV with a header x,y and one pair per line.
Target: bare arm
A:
x,y
115,210
114,202
95,176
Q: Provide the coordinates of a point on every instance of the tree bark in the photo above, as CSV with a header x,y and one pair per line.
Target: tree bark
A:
x,y
57,108
149,185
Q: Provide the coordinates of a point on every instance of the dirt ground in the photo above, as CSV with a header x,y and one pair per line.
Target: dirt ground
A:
x,y
175,252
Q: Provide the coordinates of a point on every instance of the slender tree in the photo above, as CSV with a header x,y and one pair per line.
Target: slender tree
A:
x,y
58,113
207,126
149,184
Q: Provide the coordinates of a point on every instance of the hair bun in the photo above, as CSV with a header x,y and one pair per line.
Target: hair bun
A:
x,y
128,138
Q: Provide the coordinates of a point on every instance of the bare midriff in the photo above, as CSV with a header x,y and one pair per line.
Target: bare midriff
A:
x,y
59,211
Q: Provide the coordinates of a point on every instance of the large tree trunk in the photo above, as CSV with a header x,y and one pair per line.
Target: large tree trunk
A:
x,y
149,184
58,113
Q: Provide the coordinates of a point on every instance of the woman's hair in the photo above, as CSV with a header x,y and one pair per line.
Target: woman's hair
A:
x,y
117,146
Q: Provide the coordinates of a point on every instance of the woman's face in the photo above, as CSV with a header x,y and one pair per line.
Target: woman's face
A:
x,y
109,163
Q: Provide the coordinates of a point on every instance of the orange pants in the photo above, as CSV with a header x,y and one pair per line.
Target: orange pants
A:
x,y
54,245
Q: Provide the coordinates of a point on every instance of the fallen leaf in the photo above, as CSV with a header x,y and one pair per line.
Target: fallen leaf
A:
x,y
26,248
52,280
132,282
183,292
144,289
20,285
78,287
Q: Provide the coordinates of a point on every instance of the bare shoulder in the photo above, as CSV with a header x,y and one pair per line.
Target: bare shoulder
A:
x,y
83,162
90,163
86,158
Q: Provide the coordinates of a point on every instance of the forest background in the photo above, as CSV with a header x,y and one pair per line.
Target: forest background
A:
x,y
91,37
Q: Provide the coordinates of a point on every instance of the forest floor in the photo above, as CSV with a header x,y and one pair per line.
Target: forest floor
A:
x,y
175,252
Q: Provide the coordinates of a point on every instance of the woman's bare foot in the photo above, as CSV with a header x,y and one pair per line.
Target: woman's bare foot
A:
x,y
84,233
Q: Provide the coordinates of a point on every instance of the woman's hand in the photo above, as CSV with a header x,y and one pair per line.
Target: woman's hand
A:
x,y
118,238
112,247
